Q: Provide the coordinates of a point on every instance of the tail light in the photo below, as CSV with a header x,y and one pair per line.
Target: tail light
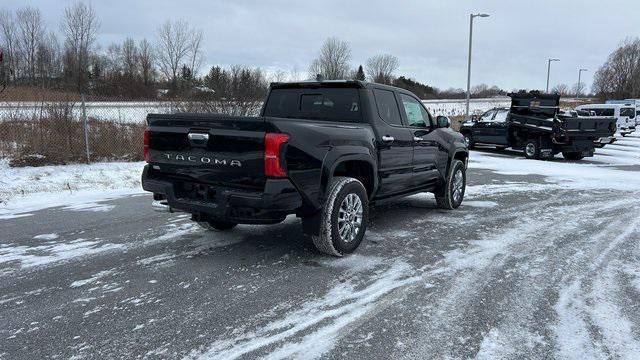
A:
x,y
273,166
147,156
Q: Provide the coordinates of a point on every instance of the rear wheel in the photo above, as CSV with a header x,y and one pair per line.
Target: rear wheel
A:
x,y
450,194
215,225
344,217
572,155
532,149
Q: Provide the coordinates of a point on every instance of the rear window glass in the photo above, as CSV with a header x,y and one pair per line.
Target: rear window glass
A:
x,y
630,112
316,104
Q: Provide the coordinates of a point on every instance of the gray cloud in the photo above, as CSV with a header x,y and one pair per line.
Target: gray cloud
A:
x,y
429,37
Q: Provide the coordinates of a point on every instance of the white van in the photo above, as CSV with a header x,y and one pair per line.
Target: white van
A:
x,y
625,115
633,102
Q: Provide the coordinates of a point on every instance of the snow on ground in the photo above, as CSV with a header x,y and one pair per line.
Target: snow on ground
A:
x,y
587,174
313,330
458,107
79,187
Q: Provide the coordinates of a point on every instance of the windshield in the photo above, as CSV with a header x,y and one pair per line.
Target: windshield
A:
x,y
329,104
630,112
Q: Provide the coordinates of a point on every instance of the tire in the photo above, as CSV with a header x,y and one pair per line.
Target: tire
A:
x,y
346,199
531,149
215,225
572,155
450,194
468,139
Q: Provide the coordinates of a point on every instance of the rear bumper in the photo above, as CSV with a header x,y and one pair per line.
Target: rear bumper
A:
x,y
278,199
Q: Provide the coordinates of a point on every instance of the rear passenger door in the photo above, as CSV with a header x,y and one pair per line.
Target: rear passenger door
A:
x,y
395,145
425,146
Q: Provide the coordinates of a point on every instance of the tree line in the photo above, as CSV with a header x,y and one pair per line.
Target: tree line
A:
x,y
70,58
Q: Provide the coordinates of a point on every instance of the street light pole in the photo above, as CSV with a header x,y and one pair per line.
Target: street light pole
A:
x,y
549,71
471,16
578,86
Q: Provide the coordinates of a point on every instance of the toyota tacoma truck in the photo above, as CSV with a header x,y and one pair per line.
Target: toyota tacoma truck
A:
x,y
324,151
535,125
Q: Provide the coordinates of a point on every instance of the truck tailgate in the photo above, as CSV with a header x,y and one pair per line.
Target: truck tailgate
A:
x,y
589,126
208,148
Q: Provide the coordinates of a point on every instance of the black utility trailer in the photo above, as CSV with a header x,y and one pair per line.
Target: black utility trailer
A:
x,y
535,125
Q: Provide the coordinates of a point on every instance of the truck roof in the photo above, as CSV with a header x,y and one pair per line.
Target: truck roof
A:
x,y
333,84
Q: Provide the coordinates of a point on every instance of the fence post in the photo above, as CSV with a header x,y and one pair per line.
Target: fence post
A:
x,y
86,128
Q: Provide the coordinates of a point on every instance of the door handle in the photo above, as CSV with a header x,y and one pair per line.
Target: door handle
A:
x,y
387,138
417,138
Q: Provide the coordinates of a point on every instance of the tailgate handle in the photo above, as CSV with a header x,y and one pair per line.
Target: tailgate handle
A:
x,y
198,139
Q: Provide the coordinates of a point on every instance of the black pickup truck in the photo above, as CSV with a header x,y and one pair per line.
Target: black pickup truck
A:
x,y
324,151
535,125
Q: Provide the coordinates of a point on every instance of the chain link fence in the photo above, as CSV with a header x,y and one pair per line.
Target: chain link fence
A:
x,y
74,130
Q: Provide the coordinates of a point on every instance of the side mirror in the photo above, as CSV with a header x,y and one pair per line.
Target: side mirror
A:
x,y
474,118
443,122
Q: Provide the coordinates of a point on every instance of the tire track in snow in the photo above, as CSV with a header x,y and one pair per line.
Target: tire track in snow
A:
x,y
314,329
590,322
473,273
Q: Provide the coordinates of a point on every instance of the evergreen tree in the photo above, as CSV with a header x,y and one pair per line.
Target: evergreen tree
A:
x,y
360,74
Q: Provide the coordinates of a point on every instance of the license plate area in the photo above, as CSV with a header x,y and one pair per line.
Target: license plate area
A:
x,y
194,191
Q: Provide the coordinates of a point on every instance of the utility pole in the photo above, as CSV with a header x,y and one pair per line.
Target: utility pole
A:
x,y
549,71
471,16
578,86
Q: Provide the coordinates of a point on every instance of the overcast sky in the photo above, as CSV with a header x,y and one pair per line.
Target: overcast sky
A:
x,y
430,38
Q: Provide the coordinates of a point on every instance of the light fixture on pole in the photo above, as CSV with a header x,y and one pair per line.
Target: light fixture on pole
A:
x,y
579,84
471,16
549,71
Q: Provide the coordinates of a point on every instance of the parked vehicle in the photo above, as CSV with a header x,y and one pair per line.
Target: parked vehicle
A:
x,y
324,151
625,115
598,143
633,102
534,125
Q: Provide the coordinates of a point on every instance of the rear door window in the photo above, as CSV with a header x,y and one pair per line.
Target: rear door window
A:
x,y
387,107
330,104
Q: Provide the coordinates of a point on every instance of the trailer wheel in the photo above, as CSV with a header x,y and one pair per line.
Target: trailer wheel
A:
x,y
572,155
532,149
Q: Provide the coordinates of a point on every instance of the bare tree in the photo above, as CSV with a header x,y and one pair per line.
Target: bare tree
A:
x,y
196,53
80,26
9,42
146,58
619,76
31,31
380,68
130,58
578,88
174,47
332,61
561,89
48,59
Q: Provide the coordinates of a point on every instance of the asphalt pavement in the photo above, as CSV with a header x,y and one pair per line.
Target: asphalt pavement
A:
x,y
526,268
